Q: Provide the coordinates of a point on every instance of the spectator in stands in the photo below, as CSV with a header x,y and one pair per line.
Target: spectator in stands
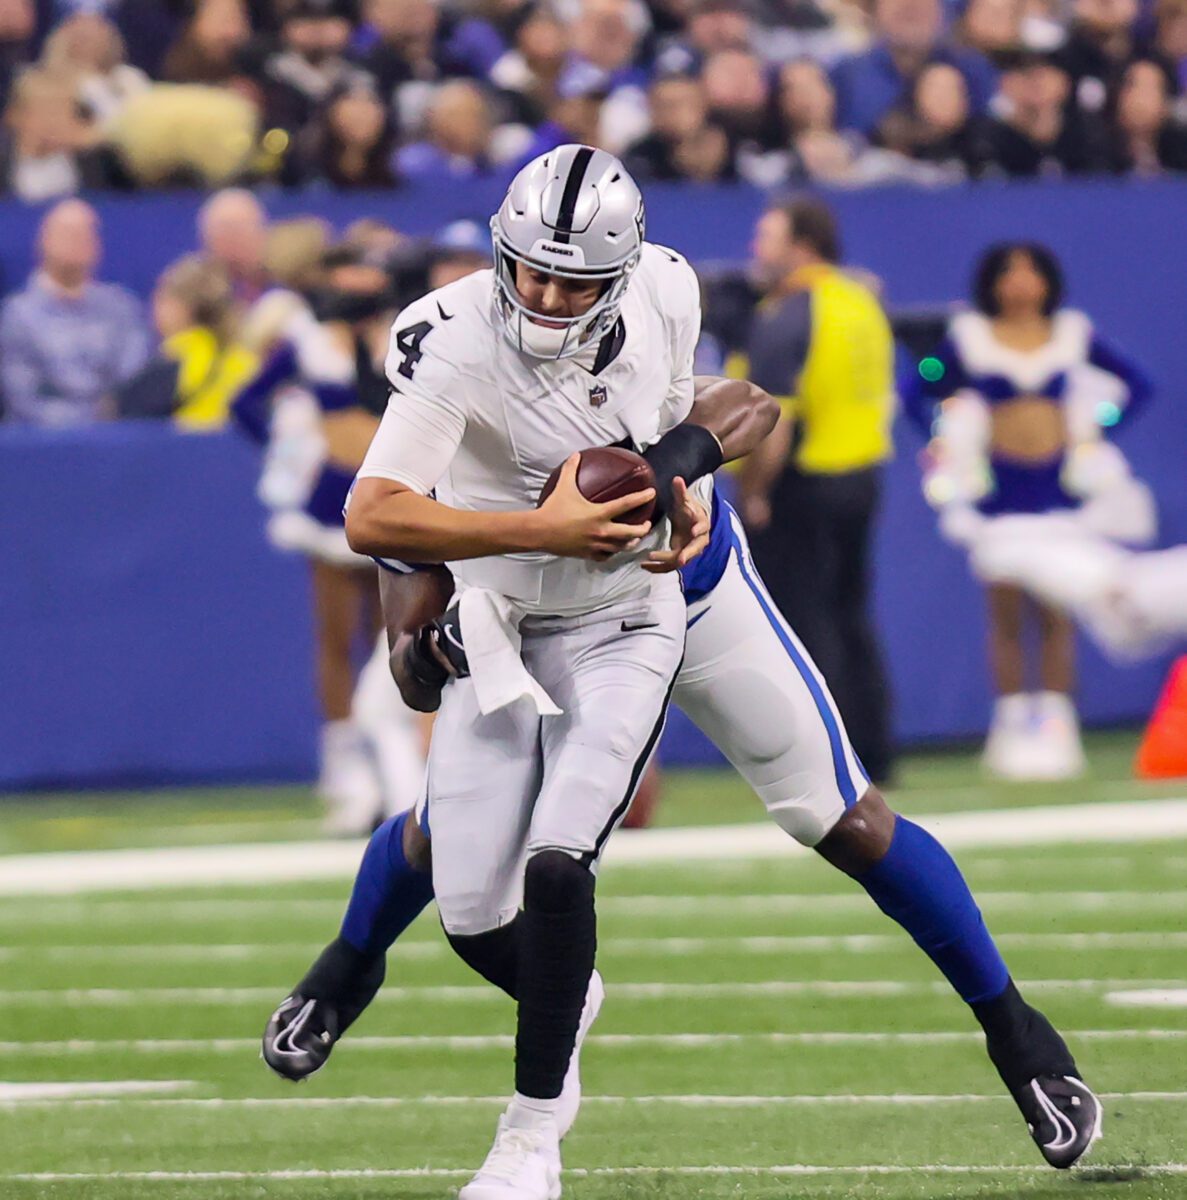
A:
x,y
1170,37
211,44
349,145
1039,133
233,231
47,147
993,28
738,96
18,20
574,117
1101,42
529,72
198,369
309,63
66,341
460,249
712,25
458,143
682,143
87,49
808,107
811,492
909,35
607,47
406,44
1149,140
938,125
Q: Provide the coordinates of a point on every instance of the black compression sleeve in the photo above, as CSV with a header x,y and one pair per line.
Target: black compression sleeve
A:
x,y
686,452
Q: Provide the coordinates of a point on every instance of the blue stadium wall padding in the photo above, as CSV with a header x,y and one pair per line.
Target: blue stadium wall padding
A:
x,y
148,633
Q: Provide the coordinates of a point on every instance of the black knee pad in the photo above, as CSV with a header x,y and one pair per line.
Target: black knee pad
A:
x,y
556,882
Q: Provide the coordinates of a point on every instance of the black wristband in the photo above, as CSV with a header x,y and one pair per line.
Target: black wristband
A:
x,y
686,452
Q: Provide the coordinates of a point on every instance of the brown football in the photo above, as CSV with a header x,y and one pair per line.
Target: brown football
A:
x,y
606,473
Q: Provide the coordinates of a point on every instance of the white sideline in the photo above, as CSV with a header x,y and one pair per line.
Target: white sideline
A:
x,y
840,1099
138,870
791,1169
1167,993
499,1041
663,947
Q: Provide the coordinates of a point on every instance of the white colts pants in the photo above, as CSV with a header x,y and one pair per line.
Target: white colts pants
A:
x,y
750,685
506,785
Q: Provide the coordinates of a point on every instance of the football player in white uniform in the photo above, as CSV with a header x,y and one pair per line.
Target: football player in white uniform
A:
x,y
746,679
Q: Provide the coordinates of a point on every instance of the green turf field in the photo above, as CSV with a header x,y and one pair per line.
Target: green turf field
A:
x,y
766,1032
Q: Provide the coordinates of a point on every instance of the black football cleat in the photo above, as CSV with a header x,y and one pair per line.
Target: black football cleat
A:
x,y
1035,1064
303,1031
1063,1117
299,1037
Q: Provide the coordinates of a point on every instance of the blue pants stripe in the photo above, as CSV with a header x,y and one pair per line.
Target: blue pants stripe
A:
x,y
835,741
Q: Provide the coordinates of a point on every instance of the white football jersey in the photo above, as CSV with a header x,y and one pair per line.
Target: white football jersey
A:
x,y
482,426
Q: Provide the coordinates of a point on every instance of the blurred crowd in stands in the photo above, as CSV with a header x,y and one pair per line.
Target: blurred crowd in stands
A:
x,y
136,94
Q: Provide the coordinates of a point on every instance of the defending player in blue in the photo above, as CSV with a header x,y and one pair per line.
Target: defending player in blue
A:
x,y
747,681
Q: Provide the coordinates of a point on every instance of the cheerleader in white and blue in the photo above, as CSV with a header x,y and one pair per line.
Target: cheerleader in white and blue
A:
x,y
313,407
1016,403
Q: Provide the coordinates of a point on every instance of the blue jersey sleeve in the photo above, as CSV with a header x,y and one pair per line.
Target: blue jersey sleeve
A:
x,y
252,407
1137,383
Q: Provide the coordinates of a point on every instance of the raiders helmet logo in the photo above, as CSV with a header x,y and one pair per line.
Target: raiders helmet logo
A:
x,y
597,395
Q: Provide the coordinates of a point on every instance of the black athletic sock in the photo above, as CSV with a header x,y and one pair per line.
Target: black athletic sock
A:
x,y
558,944
1022,1043
494,954
346,978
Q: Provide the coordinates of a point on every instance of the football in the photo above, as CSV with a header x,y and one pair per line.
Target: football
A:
x,y
606,473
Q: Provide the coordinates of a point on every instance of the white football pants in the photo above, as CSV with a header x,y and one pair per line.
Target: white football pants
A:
x,y
503,786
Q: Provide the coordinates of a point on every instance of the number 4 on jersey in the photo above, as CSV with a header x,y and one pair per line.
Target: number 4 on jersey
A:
x,y
408,343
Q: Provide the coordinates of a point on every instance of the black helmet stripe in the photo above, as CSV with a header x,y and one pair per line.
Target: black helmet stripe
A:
x,y
564,218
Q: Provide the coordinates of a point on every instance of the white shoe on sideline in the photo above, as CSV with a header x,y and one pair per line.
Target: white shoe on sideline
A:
x,y
570,1099
1059,750
523,1164
1008,749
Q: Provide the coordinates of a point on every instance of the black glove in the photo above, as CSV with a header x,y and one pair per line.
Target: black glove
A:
x,y
446,632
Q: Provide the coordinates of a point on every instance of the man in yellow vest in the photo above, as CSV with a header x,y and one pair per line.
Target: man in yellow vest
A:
x,y
822,344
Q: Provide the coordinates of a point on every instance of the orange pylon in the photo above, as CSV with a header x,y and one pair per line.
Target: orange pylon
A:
x,y
1163,752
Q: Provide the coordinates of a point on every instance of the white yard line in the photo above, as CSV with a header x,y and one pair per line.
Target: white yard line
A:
x,y
660,947
791,1169
1174,997
69,1093
613,1040
481,995
640,907
126,870
841,1099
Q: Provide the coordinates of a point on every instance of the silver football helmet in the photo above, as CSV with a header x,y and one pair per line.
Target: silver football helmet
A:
x,y
573,212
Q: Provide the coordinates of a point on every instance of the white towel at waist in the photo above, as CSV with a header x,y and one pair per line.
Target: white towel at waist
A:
x,y
490,631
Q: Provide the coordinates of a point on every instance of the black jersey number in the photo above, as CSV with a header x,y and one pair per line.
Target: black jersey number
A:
x,y
408,343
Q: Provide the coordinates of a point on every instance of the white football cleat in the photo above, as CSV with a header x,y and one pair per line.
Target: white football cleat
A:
x,y
523,1164
570,1098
